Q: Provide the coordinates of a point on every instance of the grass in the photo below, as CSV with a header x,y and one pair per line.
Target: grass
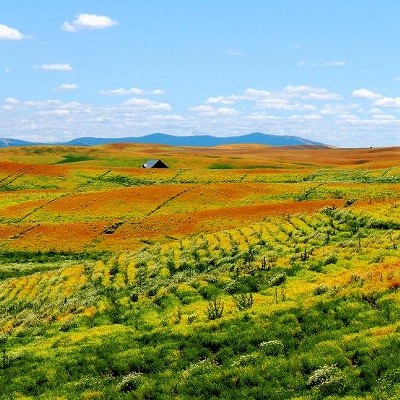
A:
x,y
72,158
221,166
239,284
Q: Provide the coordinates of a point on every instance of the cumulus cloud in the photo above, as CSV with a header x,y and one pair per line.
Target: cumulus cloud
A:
x,y
66,87
146,104
57,112
130,91
88,22
7,33
11,101
311,93
157,91
307,117
365,94
55,67
222,100
210,111
279,100
274,101
378,99
357,118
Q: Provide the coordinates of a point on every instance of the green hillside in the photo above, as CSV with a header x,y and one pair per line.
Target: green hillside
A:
x,y
296,307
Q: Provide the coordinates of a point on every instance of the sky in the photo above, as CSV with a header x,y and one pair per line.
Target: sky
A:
x,y
323,70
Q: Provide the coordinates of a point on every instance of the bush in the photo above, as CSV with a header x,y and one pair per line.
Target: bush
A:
x,y
130,382
321,289
243,301
332,259
215,309
327,380
272,347
277,279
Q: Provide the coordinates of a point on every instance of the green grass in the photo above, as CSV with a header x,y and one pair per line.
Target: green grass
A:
x,y
72,158
175,329
221,166
293,307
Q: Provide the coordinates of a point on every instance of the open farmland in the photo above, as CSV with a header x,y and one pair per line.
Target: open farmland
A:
x,y
239,272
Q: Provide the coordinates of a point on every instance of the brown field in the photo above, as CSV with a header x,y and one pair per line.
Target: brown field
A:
x,y
49,205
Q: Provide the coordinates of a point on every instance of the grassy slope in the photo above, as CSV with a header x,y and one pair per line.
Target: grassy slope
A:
x,y
306,300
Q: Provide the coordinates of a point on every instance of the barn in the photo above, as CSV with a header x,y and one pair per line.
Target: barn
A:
x,y
154,164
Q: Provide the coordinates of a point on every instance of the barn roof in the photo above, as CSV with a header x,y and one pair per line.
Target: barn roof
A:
x,y
154,164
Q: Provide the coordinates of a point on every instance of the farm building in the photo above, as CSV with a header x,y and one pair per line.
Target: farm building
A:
x,y
154,164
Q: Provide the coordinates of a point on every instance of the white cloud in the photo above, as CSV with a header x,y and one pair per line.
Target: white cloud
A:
x,y
210,111
57,112
384,117
7,33
133,90
254,93
311,93
122,91
11,101
304,63
88,22
146,104
311,112
263,117
274,101
307,117
365,94
66,87
222,100
233,53
55,67
338,108
334,64
157,92
378,99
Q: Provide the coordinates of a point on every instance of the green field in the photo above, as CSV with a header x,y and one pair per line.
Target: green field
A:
x,y
278,280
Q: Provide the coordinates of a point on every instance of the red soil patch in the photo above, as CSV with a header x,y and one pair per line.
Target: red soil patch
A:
x,y
22,209
64,237
33,169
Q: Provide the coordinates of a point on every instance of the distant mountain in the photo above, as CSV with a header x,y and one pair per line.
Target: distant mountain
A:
x,y
200,140
4,142
171,140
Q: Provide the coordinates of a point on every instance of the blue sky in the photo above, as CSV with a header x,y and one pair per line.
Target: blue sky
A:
x,y
324,70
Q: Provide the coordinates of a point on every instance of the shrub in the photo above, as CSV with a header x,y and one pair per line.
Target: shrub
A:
x,y
332,259
327,380
321,289
272,347
277,279
243,301
130,382
3,349
215,309
389,385
244,360
208,291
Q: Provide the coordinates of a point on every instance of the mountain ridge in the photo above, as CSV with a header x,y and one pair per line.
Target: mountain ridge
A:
x,y
172,140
